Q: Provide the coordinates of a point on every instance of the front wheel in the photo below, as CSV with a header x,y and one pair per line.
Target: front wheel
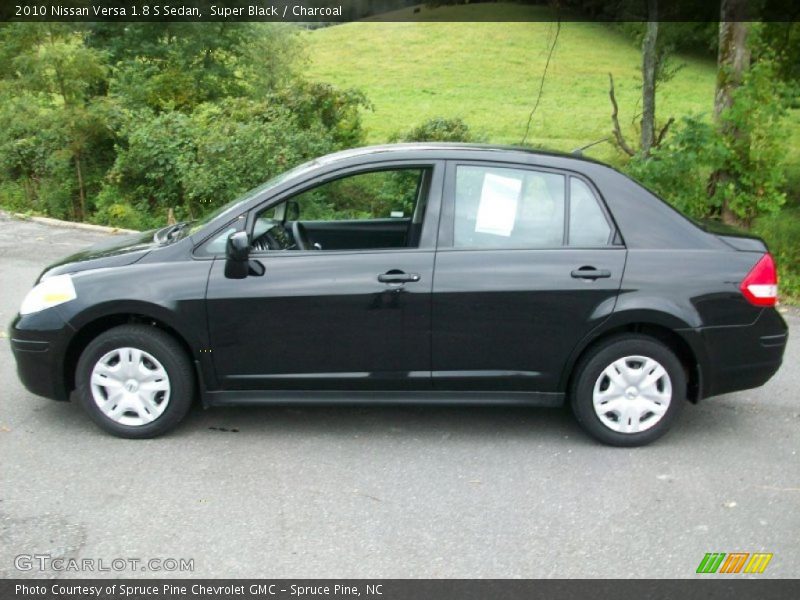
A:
x,y
628,390
135,381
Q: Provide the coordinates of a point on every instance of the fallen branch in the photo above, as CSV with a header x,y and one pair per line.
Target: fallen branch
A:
x,y
663,132
615,120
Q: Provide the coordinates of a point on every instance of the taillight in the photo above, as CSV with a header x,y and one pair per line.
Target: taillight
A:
x,y
760,287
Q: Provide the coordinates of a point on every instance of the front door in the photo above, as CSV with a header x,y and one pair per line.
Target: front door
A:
x,y
348,309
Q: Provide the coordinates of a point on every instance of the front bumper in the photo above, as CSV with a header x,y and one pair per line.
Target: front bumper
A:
x,y
38,343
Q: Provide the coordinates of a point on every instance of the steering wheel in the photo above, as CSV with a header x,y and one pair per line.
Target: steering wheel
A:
x,y
265,242
300,236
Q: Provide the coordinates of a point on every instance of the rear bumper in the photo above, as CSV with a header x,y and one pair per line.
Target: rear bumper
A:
x,y
740,358
37,342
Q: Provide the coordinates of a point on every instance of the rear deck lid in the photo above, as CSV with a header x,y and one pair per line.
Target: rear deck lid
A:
x,y
737,239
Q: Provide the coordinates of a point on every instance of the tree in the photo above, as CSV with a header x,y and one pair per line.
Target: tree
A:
x,y
122,122
52,68
784,40
741,152
178,66
653,70
649,79
733,60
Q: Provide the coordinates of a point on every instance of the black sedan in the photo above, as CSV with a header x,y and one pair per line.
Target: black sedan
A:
x,y
412,273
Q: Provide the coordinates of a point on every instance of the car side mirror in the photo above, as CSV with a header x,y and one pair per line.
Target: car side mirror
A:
x,y
237,255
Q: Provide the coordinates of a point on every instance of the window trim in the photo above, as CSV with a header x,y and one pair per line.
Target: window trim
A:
x,y
447,220
431,211
245,221
201,251
600,205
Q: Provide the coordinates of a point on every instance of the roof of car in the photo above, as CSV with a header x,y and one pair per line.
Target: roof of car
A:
x,y
455,147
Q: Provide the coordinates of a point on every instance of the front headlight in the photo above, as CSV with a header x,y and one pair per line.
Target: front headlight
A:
x,y
50,292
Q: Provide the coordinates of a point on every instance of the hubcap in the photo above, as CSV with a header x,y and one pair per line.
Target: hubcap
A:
x,y
632,394
130,386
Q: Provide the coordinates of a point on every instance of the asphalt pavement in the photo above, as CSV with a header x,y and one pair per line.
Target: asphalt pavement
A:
x,y
384,492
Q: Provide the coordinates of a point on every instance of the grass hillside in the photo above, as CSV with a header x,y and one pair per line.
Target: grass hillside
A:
x,y
489,74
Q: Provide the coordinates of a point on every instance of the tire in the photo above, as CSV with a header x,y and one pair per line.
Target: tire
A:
x,y
141,375
605,395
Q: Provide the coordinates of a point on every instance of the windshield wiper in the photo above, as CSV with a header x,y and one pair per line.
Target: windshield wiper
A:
x,y
170,232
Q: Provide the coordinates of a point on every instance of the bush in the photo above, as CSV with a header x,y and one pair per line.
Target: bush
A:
x,y
147,172
438,129
198,161
13,197
113,209
679,170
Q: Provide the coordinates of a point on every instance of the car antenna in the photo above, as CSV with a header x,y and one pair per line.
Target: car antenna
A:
x,y
579,151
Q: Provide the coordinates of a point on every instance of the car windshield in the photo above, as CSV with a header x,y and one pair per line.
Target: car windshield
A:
x,y
225,208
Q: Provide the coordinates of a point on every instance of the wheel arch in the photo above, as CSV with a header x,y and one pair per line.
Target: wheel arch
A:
x,y
682,341
92,327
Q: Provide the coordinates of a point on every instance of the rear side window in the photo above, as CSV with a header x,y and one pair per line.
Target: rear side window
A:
x,y
497,207
588,226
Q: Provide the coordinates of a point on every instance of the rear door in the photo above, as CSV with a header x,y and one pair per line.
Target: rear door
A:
x,y
528,263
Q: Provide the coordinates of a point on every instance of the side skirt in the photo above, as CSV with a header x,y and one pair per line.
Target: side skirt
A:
x,y
278,397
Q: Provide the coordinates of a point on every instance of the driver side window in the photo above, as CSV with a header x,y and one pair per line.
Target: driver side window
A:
x,y
364,211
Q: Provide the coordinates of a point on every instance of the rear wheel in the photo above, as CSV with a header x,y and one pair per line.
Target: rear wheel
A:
x,y
628,390
135,381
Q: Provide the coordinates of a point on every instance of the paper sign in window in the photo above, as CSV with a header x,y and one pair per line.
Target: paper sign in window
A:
x,y
498,207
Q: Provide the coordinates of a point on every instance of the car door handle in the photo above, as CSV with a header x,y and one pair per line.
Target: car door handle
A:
x,y
591,273
398,277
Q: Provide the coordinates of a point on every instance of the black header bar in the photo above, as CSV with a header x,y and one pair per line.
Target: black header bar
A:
x,y
338,11
713,587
